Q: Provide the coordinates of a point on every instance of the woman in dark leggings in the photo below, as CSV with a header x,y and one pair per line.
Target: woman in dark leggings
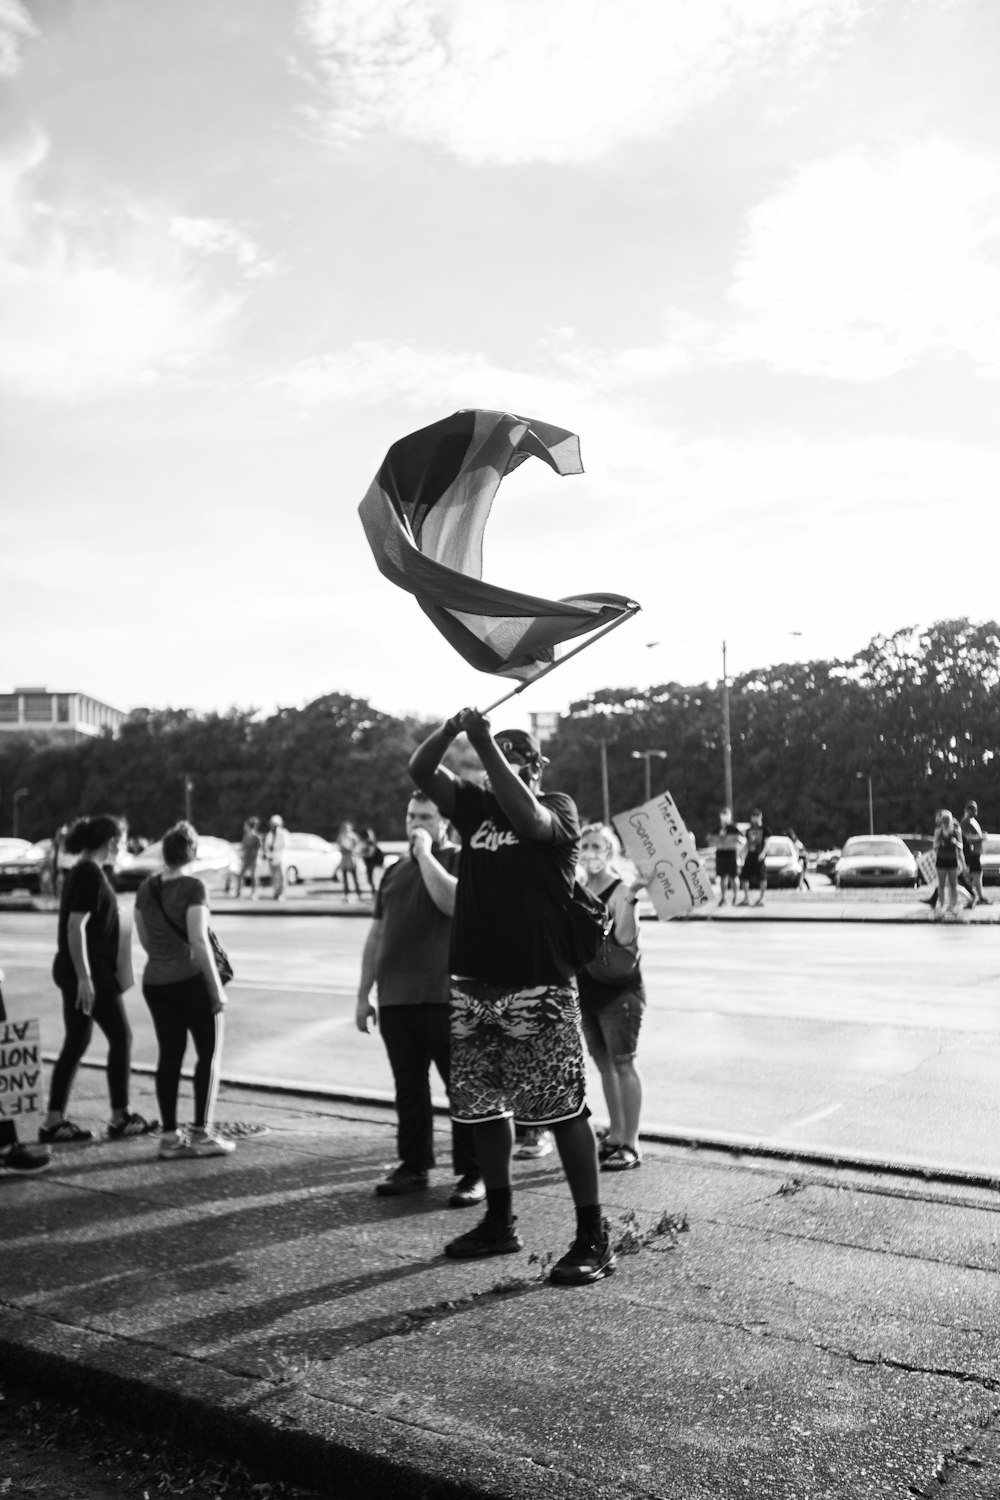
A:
x,y
91,978
184,993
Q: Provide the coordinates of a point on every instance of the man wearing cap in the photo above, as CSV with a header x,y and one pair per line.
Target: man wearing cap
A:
x,y
972,837
516,1050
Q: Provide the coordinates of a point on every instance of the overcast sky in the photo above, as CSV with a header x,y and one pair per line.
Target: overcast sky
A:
x,y
748,249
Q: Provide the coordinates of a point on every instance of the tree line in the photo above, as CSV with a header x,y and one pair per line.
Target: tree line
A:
x,y
917,712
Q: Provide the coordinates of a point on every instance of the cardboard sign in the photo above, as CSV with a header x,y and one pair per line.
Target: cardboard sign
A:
x,y
663,851
20,1069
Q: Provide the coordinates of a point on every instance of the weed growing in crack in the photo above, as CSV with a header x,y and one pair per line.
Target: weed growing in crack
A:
x,y
285,1371
632,1237
791,1187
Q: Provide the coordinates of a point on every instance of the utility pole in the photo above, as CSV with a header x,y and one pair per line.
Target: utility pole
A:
x,y
727,747
188,789
605,794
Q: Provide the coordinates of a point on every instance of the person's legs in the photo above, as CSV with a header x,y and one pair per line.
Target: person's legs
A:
x,y
277,882
410,1058
78,1031
436,1023
208,1030
578,1153
942,885
593,1035
952,884
109,1015
762,884
171,1042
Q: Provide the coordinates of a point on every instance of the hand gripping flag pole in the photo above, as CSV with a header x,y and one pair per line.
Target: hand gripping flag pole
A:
x,y
424,515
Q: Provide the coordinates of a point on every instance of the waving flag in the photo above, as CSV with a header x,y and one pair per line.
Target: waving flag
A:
x,y
424,515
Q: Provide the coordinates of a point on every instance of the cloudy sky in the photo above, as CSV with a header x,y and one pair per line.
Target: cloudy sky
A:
x,y
748,249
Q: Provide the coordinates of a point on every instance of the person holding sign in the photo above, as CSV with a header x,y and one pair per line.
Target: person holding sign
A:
x,y
516,1051
612,1002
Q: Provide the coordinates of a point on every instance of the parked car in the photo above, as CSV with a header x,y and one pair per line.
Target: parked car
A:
x,y
21,865
990,857
876,860
917,843
782,861
212,863
826,862
306,856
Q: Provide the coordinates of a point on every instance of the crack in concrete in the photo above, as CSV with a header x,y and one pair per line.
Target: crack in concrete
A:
x,y
852,1245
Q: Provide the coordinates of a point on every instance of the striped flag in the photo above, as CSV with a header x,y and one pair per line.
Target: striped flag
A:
x,y
425,514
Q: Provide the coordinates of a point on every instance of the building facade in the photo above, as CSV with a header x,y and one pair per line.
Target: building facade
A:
x,y
66,716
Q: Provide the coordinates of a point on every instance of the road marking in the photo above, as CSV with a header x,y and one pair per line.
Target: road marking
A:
x,y
821,1114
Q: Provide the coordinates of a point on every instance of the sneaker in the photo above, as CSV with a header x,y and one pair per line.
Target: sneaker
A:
x,y
536,1143
131,1124
66,1133
174,1144
488,1238
586,1260
25,1160
468,1191
402,1180
208,1143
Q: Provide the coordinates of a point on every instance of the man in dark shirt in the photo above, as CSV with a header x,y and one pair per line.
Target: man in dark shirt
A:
x,y
516,1050
406,957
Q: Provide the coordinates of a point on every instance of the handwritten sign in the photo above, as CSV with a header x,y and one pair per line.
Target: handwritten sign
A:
x,y
663,851
20,1068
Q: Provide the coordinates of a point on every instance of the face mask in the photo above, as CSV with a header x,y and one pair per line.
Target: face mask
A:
x,y
593,862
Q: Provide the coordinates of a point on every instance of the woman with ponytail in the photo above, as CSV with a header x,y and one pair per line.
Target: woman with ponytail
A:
x,y
91,977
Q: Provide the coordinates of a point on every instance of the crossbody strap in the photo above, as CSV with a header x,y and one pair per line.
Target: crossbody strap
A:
x,y
156,885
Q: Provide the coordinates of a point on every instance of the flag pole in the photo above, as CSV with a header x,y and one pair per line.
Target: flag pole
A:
x,y
627,614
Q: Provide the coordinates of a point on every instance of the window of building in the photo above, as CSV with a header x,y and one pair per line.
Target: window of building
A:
x,y
38,710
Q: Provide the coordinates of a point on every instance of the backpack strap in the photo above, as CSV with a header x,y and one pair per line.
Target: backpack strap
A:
x,y
156,886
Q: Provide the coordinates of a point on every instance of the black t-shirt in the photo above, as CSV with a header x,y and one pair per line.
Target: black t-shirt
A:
x,y
509,925
414,939
87,889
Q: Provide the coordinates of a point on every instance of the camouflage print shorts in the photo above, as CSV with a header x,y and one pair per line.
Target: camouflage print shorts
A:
x,y
515,1053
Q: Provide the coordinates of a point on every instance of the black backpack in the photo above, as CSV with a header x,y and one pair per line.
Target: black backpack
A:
x,y
588,926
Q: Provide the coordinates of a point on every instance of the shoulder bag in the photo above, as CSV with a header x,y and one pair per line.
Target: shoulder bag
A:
x,y
614,963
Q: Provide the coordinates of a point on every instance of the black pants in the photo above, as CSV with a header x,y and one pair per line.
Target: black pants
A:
x,y
181,1010
109,1015
416,1036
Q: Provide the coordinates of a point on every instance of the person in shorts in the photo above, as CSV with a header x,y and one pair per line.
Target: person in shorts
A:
x,y
251,845
972,838
612,1002
516,1049
727,839
753,875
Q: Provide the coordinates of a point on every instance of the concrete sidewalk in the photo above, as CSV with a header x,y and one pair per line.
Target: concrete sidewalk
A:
x,y
772,1330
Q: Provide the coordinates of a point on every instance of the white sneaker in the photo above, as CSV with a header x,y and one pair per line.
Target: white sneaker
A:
x,y
208,1143
536,1143
173,1144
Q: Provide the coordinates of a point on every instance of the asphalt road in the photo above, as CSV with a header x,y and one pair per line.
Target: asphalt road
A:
x,y
874,1040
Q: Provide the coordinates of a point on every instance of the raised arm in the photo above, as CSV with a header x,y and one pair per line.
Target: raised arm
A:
x,y
529,818
439,884
427,771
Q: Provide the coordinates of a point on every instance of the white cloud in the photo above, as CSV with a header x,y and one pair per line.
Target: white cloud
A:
x,y
108,295
866,260
548,80
15,28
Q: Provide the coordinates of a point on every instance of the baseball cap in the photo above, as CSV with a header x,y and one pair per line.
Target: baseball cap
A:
x,y
523,743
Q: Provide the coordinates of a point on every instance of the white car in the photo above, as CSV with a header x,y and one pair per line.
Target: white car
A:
x,y
306,856
875,859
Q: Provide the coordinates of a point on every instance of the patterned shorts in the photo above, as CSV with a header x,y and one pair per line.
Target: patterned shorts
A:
x,y
515,1053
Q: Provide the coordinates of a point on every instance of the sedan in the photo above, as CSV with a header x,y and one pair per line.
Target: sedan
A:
x,y
306,856
21,865
876,860
990,857
782,861
211,864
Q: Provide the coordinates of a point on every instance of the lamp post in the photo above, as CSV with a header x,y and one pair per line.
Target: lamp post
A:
x,y
727,744
866,776
188,789
21,793
647,756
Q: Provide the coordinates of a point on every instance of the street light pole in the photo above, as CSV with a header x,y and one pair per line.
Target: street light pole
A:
x,y
648,756
21,792
188,789
866,776
605,793
727,747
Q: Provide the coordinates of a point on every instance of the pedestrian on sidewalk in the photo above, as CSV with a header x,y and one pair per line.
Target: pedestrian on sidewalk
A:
x,y
753,875
182,987
727,839
92,974
516,1049
274,847
347,843
949,860
972,840
15,1157
372,858
612,1002
251,845
405,958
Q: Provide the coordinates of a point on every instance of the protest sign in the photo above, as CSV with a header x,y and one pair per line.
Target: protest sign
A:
x,y
663,851
20,1069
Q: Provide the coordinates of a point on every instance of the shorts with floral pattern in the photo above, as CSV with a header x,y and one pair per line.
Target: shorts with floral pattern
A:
x,y
515,1053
